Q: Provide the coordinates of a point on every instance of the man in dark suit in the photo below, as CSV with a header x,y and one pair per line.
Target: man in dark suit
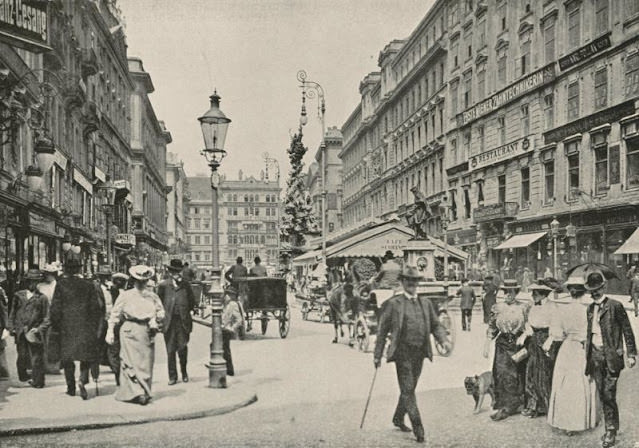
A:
x,y
467,302
608,327
410,320
77,315
234,275
178,301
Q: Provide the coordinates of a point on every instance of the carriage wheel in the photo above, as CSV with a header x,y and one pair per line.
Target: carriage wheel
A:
x,y
264,325
363,337
447,323
285,323
305,311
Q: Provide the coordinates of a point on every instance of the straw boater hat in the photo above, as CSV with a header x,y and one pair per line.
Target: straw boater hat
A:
x,y
594,281
510,284
120,276
141,272
539,287
50,268
410,272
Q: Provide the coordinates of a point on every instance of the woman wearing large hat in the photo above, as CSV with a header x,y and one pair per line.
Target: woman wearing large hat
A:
x,y
141,313
507,323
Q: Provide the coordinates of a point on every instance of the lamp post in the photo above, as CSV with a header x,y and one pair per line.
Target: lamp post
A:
x,y
554,232
214,125
312,89
110,191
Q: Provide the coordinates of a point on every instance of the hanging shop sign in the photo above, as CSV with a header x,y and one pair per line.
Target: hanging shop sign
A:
x,y
25,23
584,124
125,239
82,180
60,159
585,52
529,83
41,223
501,153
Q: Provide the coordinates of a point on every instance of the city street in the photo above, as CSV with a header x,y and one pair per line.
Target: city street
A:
x,y
312,393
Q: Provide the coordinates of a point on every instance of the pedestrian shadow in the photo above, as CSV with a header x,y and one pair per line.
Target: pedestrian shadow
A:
x,y
107,389
5,385
244,372
167,393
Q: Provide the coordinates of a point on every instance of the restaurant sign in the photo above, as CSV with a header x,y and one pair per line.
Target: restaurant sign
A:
x,y
25,21
501,153
585,52
125,239
609,115
499,99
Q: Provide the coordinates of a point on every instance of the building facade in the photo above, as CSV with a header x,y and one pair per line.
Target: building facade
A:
x,y
177,206
533,121
248,220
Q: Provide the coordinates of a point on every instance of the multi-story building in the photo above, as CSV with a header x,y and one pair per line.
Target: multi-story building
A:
x,y
333,180
395,139
534,132
149,138
248,220
177,205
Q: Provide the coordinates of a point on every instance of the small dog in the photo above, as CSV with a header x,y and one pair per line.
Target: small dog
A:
x,y
478,387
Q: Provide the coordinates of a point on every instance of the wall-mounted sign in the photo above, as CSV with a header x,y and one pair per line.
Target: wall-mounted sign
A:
x,y
495,211
499,99
585,52
125,239
584,124
42,223
25,23
81,179
501,153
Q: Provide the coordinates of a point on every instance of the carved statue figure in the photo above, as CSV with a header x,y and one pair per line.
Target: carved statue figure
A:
x,y
418,214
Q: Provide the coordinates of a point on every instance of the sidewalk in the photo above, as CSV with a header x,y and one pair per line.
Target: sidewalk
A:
x,y
25,410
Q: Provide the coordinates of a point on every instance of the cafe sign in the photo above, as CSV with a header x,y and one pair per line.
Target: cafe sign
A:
x,y
499,99
125,239
585,52
25,21
501,153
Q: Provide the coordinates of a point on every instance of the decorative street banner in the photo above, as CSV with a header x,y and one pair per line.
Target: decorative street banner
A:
x,y
501,153
591,121
585,52
25,21
499,99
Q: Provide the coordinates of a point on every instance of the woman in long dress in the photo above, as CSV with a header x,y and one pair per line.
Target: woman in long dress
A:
x,y
573,400
141,313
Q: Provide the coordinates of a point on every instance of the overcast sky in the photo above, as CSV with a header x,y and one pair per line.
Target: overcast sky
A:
x,y
251,50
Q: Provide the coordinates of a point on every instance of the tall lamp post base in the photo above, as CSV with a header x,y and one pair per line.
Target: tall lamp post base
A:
x,y
217,363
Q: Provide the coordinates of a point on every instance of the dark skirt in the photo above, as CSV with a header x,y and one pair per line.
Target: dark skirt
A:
x,y
487,305
538,372
509,377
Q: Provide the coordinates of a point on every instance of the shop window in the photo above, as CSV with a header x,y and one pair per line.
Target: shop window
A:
x,y
632,162
525,120
501,189
525,187
573,101
601,16
600,148
573,176
601,88
632,74
549,181
574,24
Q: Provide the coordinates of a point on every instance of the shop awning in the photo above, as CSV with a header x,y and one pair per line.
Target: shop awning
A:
x,y
517,241
631,246
310,257
373,242
452,250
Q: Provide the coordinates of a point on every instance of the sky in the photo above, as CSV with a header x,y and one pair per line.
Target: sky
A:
x,y
251,51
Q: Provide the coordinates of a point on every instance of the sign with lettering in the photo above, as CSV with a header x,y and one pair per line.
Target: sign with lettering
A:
x,y
585,52
499,99
25,21
501,153
495,211
81,180
42,223
584,124
126,239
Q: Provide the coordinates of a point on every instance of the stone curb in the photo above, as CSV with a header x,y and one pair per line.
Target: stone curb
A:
x,y
108,421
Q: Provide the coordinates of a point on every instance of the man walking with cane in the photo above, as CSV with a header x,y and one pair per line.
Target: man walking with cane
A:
x,y
410,320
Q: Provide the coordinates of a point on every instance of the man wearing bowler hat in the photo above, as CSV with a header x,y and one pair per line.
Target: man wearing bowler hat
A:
x,y
410,320
608,328
178,301
27,322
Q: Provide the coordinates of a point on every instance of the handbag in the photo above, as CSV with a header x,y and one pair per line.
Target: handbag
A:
x,y
520,356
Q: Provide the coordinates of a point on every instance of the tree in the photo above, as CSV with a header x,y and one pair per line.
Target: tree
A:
x,y
298,220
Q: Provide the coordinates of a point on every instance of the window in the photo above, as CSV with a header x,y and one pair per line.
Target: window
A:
x,y
453,150
470,51
468,88
525,120
549,181
573,101
601,16
206,223
466,143
466,203
632,162
453,206
481,32
574,25
502,61
454,13
501,188
207,239
481,136
501,130
480,193
549,111
632,74
525,60
196,223
501,14
525,187
601,88
549,39
454,48
573,176
196,210
197,239
481,83
600,148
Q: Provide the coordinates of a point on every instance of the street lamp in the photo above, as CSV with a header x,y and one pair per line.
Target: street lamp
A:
x,y
109,191
554,232
214,125
312,89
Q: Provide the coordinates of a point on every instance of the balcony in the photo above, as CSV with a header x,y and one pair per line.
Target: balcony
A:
x,y
496,212
89,65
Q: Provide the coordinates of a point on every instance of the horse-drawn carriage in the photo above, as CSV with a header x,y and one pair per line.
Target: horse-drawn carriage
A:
x,y
265,301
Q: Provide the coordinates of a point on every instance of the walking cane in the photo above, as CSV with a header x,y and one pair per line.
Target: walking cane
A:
x,y
368,400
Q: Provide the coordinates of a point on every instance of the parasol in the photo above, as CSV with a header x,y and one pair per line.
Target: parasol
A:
x,y
587,268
